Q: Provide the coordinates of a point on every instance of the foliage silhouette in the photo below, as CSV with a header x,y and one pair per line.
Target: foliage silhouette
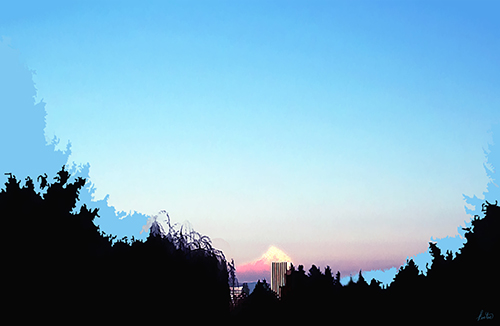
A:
x,y
246,290
259,308
64,270
455,291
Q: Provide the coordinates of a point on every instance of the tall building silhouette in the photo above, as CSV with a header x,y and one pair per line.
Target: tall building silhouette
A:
x,y
278,271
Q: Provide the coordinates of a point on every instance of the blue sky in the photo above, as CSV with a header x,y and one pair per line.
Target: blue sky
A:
x,y
342,132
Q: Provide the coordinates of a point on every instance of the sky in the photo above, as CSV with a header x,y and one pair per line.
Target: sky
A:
x,y
344,133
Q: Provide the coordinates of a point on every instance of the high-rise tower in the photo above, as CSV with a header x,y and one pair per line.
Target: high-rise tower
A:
x,y
278,272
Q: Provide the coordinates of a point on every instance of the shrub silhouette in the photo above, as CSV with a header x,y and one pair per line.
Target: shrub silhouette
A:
x,y
62,270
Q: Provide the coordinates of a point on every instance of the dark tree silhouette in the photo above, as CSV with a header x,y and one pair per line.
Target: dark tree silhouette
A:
x,y
408,277
361,283
261,307
472,271
233,281
246,290
456,290
62,270
336,281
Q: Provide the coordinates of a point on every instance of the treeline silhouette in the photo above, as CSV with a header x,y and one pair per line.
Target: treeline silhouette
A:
x,y
59,268
455,290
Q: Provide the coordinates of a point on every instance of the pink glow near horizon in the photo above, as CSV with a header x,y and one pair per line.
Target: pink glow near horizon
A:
x,y
260,268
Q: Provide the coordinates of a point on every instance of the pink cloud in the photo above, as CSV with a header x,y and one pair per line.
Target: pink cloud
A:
x,y
253,271
254,267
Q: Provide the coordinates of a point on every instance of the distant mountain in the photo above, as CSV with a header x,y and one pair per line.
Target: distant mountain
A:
x,y
261,268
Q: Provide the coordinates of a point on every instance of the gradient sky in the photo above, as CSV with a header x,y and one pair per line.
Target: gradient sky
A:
x,y
342,132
